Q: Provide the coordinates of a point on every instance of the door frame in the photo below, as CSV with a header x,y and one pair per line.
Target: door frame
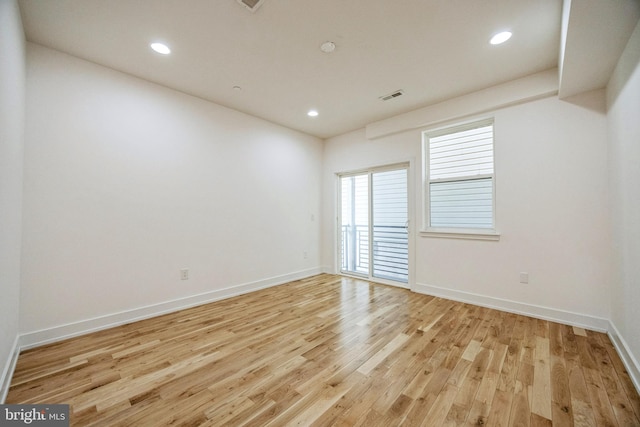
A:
x,y
409,166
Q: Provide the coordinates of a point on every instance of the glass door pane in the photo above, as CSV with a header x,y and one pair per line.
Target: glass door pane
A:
x,y
390,222
354,224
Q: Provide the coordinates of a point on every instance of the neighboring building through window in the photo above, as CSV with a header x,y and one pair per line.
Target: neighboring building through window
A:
x,y
460,180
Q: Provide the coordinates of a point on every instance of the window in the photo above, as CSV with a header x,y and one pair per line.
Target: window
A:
x,y
459,181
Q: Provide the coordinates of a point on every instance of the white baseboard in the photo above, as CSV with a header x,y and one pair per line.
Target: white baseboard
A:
x,y
58,333
539,312
7,372
630,362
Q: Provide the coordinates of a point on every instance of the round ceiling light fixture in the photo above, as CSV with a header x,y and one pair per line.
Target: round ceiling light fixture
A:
x,y
328,47
312,113
500,37
161,48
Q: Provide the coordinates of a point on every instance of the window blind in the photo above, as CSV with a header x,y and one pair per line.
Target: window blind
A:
x,y
460,177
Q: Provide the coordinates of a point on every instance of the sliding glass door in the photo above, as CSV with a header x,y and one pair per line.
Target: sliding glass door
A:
x,y
355,224
374,222
390,237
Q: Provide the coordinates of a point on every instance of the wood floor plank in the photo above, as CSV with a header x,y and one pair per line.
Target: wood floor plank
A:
x,y
561,408
541,401
599,399
623,376
488,385
512,361
620,404
333,351
441,406
500,409
382,354
520,408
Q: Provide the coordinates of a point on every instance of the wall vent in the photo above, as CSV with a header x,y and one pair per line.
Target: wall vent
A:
x,y
252,5
395,94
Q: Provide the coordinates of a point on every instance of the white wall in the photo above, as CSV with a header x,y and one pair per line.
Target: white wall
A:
x,y
551,180
127,182
12,86
623,96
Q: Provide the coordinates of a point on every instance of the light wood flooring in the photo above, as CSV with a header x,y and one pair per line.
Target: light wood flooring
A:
x,y
330,350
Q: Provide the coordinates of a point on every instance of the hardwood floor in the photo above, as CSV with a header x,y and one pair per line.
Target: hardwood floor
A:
x,y
330,350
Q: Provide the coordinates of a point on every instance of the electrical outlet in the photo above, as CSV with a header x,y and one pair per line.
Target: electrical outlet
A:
x,y
524,277
304,254
184,274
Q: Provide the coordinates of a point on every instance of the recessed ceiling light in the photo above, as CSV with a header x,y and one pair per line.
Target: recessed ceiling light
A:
x,y
500,37
312,113
161,48
328,47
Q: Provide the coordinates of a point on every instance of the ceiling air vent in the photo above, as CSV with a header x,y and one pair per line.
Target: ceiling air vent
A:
x,y
392,95
252,5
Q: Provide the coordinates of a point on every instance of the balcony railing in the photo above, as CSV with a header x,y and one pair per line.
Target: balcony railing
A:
x,y
355,248
390,251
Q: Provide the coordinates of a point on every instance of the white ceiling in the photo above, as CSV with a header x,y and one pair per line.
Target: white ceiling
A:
x,y
432,49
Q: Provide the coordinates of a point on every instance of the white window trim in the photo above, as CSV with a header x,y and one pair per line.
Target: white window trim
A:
x,y
490,234
461,233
